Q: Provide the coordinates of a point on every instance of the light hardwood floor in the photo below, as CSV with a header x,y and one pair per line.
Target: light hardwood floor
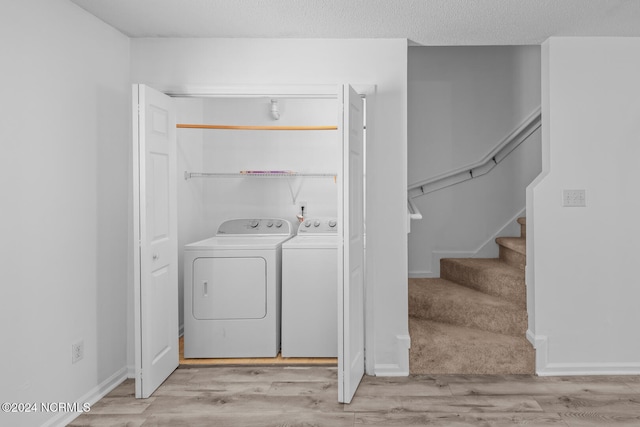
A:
x,y
307,396
278,360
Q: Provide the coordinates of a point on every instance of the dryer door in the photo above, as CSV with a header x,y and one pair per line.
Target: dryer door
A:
x,y
229,288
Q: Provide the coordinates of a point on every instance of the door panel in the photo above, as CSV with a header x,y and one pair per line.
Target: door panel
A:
x,y
155,228
351,275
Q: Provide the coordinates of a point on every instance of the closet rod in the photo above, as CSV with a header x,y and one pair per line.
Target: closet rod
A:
x,y
196,126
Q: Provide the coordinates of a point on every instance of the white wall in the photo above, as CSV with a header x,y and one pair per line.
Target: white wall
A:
x,y
63,179
204,203
299,151
585,267
174,62
462,102
190,193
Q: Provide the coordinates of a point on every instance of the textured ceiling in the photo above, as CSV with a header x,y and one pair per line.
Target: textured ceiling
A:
x,y
423,22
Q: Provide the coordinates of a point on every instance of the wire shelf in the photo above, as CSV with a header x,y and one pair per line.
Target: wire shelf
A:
x,y
257,174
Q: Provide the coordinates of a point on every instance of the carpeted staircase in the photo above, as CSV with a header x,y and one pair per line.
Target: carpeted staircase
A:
x,y
473,319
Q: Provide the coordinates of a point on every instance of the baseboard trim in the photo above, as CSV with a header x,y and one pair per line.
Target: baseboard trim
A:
x,y
94,395
401,368
487,249
389,370
572,369
426,274
539,342
546,369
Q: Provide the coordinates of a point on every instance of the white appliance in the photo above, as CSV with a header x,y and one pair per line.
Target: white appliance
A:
x,y
309,291
232,286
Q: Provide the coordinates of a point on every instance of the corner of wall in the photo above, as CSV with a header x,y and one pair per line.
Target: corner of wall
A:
x,y
539,342
401,367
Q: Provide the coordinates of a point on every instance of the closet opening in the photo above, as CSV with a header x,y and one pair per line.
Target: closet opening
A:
x,y
237,161
219,191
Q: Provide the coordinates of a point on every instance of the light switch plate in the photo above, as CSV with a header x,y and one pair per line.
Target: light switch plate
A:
x,y
574,198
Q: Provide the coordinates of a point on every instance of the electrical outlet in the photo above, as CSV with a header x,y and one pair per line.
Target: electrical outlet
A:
x,y
77,351
574,198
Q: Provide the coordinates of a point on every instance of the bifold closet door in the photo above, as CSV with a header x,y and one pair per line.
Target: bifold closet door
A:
x,y
351,252
155,239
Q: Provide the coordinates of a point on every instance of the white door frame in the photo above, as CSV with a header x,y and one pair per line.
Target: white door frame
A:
x,y
295,91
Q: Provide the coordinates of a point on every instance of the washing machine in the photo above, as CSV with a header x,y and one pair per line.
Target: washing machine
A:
x,y
232,285
310,290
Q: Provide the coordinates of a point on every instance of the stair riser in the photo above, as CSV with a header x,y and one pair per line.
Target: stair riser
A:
x,y
512,258
462,313
473,366
485,281
433,353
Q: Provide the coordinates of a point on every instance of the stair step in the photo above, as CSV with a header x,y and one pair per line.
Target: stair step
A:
x,y
438,348
489,275
444,301
513,251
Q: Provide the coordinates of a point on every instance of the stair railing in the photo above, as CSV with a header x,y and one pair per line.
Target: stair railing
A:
x,y
476,169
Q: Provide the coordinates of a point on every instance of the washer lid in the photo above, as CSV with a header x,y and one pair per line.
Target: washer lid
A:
x,y
312,242
238,242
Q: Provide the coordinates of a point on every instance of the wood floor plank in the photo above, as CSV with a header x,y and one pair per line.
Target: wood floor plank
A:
x,y
213,388
253,420
406,386
541,387
297,388
121,405
453,404
94,420
243,404
594,404
254,361
126,389
599,420
447,419
264,374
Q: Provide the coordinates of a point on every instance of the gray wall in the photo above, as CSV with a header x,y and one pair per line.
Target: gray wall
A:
x,y
462,102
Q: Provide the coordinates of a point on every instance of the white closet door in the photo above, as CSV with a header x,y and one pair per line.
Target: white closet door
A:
x,y
156,242
351,252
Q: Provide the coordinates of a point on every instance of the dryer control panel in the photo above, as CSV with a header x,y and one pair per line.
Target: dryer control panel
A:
x,y
318,226
255,226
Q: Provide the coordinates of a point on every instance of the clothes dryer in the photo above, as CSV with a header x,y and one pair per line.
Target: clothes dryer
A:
x,y
309,291
232,285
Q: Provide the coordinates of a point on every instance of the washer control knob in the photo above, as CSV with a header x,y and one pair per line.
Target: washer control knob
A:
x,y
316,223
307,223
270,224
333,223
254,223
278,224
